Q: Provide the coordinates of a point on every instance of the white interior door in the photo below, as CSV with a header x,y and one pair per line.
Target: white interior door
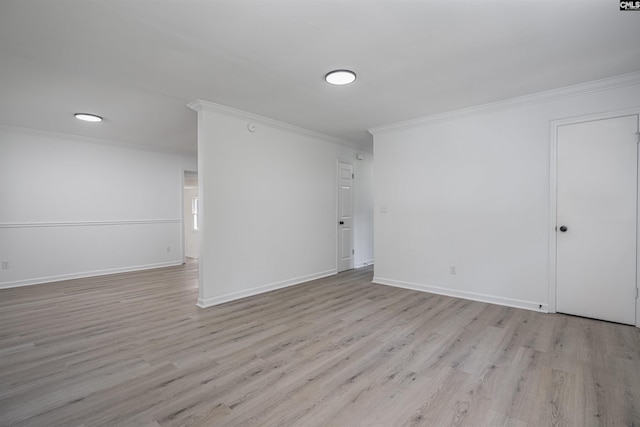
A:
x,y
597,199
345,216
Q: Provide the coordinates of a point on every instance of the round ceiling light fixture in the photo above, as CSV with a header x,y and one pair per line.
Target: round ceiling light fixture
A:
x,y
88,117
340,77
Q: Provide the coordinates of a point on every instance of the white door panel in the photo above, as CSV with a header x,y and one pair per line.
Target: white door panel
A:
x,y
345,216
597,203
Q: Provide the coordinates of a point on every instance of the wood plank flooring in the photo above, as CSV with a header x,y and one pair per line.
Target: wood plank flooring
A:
x,y
132,349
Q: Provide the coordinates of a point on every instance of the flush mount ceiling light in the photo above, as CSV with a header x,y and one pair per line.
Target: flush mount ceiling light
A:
x,y
88,117
340,77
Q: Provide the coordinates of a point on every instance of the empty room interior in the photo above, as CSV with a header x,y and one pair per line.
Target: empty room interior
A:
x,y
319,213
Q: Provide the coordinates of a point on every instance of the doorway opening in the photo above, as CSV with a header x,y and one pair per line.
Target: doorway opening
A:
x,y
191,216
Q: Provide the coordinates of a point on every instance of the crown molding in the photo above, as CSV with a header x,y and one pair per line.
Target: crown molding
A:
x,y
201,105
623,80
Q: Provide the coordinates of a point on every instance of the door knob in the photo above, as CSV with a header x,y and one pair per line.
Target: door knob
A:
x,y
341,222
563,228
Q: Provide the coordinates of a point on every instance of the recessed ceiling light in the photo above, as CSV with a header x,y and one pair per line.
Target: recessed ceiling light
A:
x,y
340,77
88,117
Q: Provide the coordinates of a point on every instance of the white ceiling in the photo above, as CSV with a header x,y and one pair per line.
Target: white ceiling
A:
x,y
139,62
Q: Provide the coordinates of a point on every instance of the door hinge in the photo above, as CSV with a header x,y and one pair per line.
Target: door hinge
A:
x,y
353,251
353,176
636,293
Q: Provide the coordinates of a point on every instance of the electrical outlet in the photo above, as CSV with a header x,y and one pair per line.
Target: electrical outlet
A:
x,y
6,265
452,270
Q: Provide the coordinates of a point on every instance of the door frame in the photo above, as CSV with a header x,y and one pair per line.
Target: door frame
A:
x,y
337,187
553,171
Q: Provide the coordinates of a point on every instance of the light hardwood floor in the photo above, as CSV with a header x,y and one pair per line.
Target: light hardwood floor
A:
x,y
133,350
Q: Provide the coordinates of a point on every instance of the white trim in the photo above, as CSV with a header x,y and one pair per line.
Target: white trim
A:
x,y
473,296
87,223
84,274
94,140
623,80
638,223
551,239
365,263
200,105
209,302
183,250
638,227
336,203
596,116
553,181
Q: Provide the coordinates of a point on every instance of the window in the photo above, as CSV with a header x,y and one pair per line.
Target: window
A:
x,y
194,212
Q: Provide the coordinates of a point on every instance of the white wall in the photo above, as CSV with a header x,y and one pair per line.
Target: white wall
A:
x,y
191,236
77,207
268,200
472,189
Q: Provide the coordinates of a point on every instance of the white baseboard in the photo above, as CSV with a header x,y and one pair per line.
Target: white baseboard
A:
x,y
209,302
58,278
492,299
365,263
